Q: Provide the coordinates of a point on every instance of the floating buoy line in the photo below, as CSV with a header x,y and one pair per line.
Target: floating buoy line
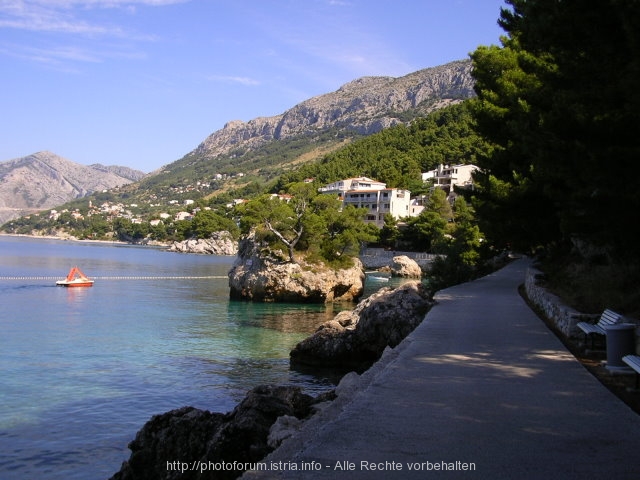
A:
x,y
123,278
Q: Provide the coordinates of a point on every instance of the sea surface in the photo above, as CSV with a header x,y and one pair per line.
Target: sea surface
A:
x,y
82,369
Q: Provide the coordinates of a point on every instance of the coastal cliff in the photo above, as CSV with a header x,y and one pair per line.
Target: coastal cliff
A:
x,y
261,274
219,243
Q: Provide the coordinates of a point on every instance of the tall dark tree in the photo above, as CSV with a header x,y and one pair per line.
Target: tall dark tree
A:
x,y
428,231
560,101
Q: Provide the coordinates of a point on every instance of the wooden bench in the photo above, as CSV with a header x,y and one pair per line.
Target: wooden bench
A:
x,y
634,362
608,317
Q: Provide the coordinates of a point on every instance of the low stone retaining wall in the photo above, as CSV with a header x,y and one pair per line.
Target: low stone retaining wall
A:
x,y
374,258
564,317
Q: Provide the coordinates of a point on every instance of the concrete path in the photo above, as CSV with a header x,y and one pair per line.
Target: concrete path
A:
x,y
480,390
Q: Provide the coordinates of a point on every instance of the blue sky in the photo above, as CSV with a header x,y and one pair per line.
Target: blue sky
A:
x,y
142,82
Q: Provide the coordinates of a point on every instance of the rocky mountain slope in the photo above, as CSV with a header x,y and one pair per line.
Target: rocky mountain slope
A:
x,y
267,146
364,106
44,180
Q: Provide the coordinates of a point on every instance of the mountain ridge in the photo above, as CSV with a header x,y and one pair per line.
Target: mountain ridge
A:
x,y
259,150
364,106
45,180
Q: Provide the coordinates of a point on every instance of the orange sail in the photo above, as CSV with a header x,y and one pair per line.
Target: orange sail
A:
x,y
76,279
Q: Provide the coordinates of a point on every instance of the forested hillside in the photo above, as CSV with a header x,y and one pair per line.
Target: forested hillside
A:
x,y
398,155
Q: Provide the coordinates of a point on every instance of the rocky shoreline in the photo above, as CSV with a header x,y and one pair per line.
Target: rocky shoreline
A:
x,y
269,414
71,238
219,243
197,437
262,274
356,339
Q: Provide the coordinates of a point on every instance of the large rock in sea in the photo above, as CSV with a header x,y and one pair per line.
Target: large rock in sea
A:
x,y
403,266
261,274
357,338
219,243
192,437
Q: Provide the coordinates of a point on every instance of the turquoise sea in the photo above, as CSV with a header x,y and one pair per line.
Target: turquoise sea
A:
x,y
82,369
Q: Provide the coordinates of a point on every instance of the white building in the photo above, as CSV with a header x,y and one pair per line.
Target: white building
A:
x,y
449,176
380,202
374,196
417,205
341,186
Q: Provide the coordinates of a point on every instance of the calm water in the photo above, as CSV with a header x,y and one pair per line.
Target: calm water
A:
x,y
81,370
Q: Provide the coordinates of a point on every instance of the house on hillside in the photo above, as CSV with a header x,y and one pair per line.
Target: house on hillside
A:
x,y
449,176
417,205
372,195
341,186
380,202
284,197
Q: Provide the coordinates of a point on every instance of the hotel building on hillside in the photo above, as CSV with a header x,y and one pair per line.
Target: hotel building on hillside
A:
x,y
449,176
374,196
342,186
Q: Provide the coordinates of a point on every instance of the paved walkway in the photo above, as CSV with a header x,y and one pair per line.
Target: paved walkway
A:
x,y
481,383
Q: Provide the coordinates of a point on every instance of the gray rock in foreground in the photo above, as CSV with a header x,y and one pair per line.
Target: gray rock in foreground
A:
x,y
187,443
357,338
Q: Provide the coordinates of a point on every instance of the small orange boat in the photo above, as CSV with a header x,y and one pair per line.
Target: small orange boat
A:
x,y
75,279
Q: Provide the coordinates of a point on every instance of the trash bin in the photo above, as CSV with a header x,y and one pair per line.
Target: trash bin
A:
x,y
621,341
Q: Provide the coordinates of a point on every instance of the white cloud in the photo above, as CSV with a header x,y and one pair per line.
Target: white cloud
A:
x,y
63,54
49,21
339,42
69,18
88,3
64,58
249,82
65,16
